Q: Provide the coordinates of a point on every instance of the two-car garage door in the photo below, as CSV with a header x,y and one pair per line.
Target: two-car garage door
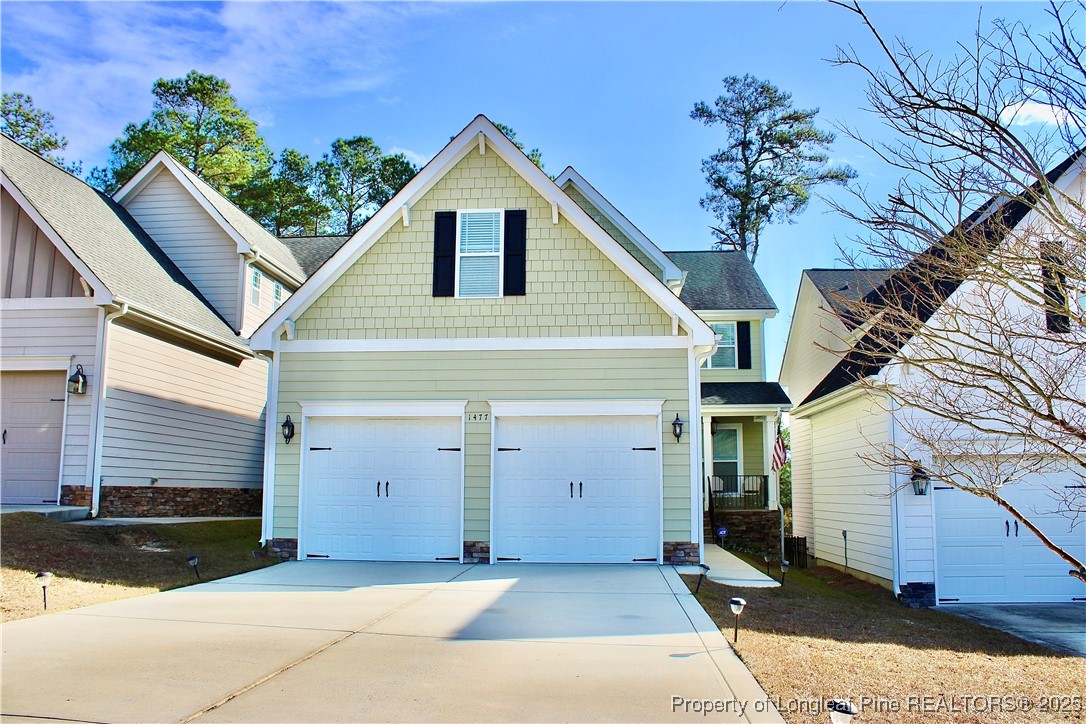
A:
x,y
565,489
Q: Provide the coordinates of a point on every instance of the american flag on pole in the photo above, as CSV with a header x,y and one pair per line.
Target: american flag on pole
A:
x,y
780,453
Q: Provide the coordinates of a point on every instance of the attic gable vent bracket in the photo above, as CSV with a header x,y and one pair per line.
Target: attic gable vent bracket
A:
x,y
482,144
405,213
554,213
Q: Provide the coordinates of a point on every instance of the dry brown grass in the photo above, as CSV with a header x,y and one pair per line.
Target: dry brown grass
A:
x,y
827,635
93,564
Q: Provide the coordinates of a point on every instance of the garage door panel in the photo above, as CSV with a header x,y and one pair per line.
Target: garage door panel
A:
x,y
350,511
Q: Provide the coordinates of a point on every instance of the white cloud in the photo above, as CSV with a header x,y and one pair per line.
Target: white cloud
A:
x,y
1030,112
419,159
92,64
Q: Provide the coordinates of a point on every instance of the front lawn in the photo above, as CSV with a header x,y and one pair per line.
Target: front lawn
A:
x,y
94,564
827,635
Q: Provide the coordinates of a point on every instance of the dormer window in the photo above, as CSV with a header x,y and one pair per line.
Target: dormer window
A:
x,y
479,254
726,356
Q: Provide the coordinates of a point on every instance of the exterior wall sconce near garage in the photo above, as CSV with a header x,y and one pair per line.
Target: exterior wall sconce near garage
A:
x,y
288,430
920,480
77,383
677,428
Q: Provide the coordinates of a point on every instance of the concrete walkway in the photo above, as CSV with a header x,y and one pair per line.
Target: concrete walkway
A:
x,y
1060,626
338,641
159,521
726,568
63,513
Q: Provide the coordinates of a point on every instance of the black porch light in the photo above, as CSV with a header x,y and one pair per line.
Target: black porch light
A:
x,y
77,383
288,430
677,428
920,480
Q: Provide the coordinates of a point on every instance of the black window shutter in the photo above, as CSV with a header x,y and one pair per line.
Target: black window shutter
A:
x,y
1055,290
444,253
516,252
742,343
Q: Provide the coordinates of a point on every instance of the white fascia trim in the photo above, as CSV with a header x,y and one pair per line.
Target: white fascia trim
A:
x,y
481,344
11,305
786,362
150,170
743,410
389,408
841,395
35,363
102,295
735,315
464,143
605,207
184,330
575,408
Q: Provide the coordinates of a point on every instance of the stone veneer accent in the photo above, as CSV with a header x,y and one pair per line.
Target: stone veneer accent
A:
x,y
285,548
679,553
757,531
476,551
76,495
917,595
157,502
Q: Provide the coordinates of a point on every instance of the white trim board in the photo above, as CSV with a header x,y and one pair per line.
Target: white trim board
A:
x,y
390,408
35,363
571,408
264,338
485,344
33,303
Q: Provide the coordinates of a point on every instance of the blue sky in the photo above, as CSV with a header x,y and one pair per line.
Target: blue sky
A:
x,y
605,87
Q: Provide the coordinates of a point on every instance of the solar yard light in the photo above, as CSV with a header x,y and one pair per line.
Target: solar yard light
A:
x,y
194,561
737,605
704,569
44,578
841,711
784,570
765,557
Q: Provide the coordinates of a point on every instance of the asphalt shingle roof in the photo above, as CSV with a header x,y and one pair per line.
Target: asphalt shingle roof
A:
x,y
256,235
108,240
743,393
720,280
841,287
312,251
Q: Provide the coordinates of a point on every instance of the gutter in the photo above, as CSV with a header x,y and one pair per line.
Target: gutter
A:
x,y
100,423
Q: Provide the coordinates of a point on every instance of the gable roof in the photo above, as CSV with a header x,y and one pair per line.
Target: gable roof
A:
x,y
312,251
988,224
842,288
720,280
242,228
627,227
485,136
105,240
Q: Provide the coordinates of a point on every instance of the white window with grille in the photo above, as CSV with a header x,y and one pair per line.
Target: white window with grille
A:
x,y
726,356
254,290
479,253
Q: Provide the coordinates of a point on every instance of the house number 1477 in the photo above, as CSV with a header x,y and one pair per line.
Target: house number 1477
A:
x,y
477,416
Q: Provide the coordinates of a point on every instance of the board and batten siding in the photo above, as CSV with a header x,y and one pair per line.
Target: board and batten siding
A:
x,y
192,239
756,373
802,460
30,265
179,416
477,377
613,231
573,289
848,493
61,333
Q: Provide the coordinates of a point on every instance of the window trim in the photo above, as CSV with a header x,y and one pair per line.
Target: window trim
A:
x,y
738,427
277,293
734,345
255,278
500,254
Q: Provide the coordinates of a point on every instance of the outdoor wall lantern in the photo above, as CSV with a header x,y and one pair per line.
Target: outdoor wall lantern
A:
x,y
77,383
677,428
920,480
737,605
288,430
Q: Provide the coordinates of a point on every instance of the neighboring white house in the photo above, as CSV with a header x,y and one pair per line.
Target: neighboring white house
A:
x,y
148,295
948,546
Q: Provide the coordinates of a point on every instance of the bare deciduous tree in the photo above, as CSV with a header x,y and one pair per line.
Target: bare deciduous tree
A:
x,y
980,338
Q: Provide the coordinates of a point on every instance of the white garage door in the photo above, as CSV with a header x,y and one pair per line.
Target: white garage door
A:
x,y
382,489
32,416
577,490
984,557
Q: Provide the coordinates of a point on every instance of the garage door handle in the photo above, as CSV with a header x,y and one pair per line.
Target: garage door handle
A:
x,y
1008,524
5,437
580,490
571,489
386,488
1016,529
378,488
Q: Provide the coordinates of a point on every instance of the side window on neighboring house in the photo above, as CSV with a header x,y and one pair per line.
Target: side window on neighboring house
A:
x,y
254,292
277,293
726,356
480,253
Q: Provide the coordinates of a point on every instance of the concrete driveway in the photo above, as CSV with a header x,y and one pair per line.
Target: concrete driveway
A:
x,y
1060,626
338,641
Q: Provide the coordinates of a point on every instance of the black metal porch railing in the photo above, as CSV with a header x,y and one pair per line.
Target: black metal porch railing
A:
x,y
738,492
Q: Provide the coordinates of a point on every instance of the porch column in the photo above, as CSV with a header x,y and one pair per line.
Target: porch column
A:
x,y
769,433
706,457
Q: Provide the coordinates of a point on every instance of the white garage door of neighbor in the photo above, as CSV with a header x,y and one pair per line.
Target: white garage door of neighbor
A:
x,y
983,556
32,416
577,489
382,489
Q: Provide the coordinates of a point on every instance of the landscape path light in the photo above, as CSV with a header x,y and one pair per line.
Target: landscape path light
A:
x,y
44,579
784,570
737,605
194,561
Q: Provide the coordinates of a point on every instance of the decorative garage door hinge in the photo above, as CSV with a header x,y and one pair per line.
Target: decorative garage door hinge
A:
x,y
320,448
499,558
644,448
448,449
509,449
644,560
450,558
1069,487
941,600
944,487
316,555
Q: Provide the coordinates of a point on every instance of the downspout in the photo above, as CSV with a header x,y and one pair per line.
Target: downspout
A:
x,y
271,424
697,456
777,475
895,508
100,423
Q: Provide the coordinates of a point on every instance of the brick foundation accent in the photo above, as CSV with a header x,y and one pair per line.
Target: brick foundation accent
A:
x,y
75,495
678,553
476,551
756,531
285,548
917,595
155,502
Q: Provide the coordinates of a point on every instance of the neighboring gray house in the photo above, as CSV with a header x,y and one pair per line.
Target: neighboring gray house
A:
x,y
148,294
